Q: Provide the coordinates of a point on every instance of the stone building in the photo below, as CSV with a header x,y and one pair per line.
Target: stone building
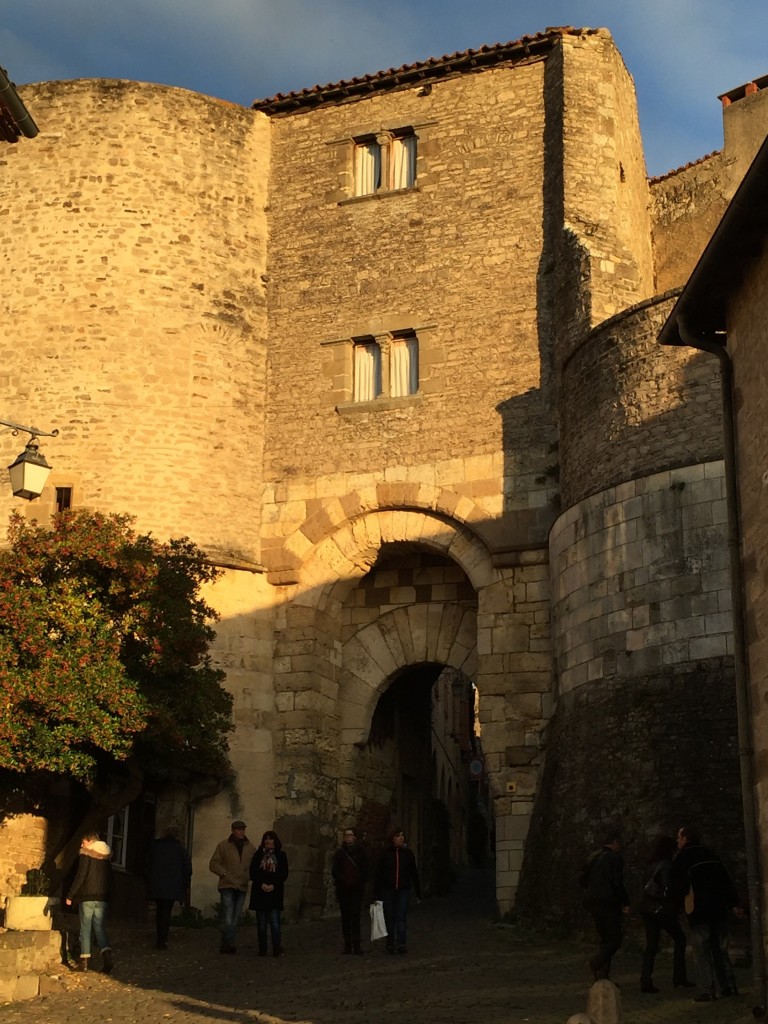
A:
x,y
387,350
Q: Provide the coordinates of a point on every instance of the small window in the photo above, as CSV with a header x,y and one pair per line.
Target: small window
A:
x,y
385,163
367,371
404,161
117,836
63,498
404,366
367,167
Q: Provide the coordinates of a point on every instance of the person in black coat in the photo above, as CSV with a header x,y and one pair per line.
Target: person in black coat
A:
x,y
660,909
396,876
350,873
606,900
698,875
269,870
170,875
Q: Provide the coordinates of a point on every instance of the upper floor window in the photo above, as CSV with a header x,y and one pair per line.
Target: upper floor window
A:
x,y
367,167
385,162
404,366
367,370
403,152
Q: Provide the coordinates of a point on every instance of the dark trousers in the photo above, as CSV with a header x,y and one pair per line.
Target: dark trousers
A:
x,y
269,919
163,909
350,904
395,914
654,925
608,921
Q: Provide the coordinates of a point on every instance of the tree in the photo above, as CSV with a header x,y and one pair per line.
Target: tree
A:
x,y
105,671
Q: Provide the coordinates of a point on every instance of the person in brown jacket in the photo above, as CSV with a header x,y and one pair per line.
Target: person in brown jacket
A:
x,y
231,861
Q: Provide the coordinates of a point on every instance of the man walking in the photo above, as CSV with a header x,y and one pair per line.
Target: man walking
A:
x,y
231,861
700,878
606,900
170,875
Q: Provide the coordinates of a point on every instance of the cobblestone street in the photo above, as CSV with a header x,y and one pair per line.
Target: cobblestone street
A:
x,y
460,969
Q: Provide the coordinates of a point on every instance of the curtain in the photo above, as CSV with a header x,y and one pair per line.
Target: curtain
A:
x,y
367,168
367,371
404,162
404,367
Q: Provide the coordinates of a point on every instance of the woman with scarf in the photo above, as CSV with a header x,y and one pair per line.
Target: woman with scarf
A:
x,y
269,870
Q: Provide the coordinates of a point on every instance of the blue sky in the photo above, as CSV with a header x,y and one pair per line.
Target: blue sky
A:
x,y
681,53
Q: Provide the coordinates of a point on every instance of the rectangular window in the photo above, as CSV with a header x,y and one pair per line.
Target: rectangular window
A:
x,y
367,167
117,836
403,156
367,371
63,498
404,366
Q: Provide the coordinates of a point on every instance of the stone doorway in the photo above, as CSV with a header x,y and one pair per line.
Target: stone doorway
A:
x,y
413,770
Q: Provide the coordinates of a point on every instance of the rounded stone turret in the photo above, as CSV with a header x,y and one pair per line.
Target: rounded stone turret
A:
x,y
135,239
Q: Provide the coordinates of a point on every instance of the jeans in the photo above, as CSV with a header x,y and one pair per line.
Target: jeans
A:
x,y
232,901
654,924
709,939
608,921
395,913
93,914
271,919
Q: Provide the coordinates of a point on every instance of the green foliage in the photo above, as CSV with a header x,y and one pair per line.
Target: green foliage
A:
x,y
38,883
104,652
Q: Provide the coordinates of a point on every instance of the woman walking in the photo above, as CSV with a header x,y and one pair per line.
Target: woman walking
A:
x,y
660,909
269,870
396,875
92,889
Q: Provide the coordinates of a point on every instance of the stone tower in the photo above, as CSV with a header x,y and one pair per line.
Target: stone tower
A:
x,y
386,349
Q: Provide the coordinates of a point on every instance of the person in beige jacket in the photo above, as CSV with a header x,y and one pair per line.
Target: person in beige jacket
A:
x,y
231,861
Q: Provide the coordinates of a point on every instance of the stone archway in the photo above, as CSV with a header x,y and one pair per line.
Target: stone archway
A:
x,y
329,674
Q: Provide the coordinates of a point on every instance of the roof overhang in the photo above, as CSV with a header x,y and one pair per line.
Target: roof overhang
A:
x,y
736,243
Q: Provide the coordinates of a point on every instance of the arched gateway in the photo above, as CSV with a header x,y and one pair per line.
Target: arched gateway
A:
x,y
403,602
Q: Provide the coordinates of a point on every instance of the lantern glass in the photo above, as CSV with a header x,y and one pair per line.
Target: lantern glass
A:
x,y
29,473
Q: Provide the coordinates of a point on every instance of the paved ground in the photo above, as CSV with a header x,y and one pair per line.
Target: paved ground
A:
x,y
461,969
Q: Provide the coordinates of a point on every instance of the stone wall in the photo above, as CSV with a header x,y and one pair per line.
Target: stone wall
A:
x,y
641,606
135,229
748,344
630,407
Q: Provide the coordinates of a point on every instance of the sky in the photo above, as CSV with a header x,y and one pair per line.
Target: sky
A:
x,y
681,53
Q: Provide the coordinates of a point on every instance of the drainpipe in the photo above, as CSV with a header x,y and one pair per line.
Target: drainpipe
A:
x,y
11,100
741,674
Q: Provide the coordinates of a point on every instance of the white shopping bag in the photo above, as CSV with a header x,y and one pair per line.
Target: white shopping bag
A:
x,y
378,927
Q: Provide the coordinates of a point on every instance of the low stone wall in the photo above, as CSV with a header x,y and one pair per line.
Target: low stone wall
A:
x,y
30,964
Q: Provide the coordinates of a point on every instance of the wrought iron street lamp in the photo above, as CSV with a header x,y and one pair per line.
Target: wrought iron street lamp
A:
x,y
30,470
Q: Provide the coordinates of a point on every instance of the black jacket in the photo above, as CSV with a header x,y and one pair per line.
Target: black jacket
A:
x,y
170,870
604,876
350,868
93,880
261,875
396,869
702,870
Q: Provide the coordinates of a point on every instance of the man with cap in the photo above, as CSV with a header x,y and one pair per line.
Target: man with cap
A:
x,y
231,861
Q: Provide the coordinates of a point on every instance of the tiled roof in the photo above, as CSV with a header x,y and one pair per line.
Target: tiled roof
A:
x,y
679,170
423,71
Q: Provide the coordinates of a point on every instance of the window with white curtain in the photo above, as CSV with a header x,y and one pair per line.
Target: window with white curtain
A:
x,y
366,371
367,167
386,162
403,366
403,157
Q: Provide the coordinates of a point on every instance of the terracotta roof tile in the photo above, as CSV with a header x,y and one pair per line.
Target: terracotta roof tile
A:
x,y
408,74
